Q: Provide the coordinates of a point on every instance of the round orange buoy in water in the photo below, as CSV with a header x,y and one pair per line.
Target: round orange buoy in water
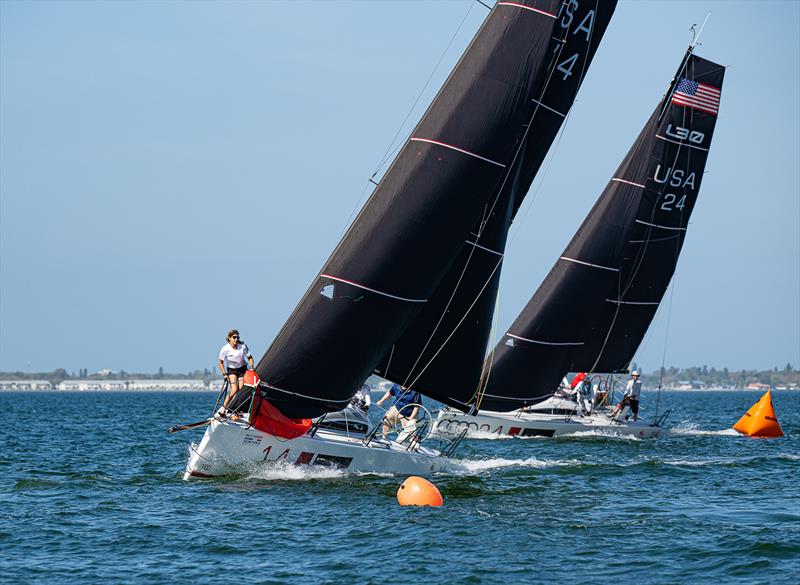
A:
x,y
760,420
417,491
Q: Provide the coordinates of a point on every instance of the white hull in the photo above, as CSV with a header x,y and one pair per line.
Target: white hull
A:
x,y
523,423
231,447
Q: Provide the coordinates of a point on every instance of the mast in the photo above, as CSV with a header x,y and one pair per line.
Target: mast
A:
x,y
596,304
441,353
390,261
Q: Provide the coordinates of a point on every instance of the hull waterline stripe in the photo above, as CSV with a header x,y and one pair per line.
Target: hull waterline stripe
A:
x,y
451,147
589,264
678,142
549,108
484,248
526,8
545,342
663,227
627,182
630,302
313,398
377,292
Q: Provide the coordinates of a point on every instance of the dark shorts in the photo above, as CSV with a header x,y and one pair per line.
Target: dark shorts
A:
x,y
237,371
634,404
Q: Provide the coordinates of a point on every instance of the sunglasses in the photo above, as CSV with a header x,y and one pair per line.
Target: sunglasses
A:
x,y
234,337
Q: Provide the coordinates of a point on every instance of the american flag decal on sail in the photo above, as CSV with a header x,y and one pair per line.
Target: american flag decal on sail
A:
x,y
696,95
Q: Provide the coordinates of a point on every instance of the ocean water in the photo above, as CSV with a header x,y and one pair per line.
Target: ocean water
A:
x,y
91,492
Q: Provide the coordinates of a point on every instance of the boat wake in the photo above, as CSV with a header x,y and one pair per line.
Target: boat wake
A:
x,y
288,472
467,466
599,434
692,430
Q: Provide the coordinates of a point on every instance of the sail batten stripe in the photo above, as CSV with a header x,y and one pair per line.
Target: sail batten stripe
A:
x,y
680,143
546,107
378,292
456,148
618,180
484,248
589,264
526,8
663,227
630,302
515,398
540,342
652,240
314,398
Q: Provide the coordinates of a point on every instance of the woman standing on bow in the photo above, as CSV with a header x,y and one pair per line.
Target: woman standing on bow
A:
x,y
232,363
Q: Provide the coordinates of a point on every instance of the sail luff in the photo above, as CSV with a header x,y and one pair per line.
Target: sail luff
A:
x,y
392,257
596,304
442,351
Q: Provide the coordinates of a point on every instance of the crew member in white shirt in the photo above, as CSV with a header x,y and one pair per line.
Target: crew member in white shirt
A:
x,y
633,390
233,358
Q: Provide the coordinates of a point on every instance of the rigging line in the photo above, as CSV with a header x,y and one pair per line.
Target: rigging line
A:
x,y
689,52
554,150
517,153
387,155
488,361
640,255
638,262
350,222
671,295
483,222
552,69
439,322
466,313
392,150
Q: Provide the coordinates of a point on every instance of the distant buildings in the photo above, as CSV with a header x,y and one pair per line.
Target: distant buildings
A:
x,y
25,385
79,385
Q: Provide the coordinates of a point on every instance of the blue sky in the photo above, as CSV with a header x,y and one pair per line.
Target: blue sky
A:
x,y
171,170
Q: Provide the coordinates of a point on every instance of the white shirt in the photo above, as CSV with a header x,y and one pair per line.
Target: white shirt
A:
x,y
633,388
234,358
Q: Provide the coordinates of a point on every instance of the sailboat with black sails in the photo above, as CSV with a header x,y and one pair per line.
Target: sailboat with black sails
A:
x,y
596,304
474,140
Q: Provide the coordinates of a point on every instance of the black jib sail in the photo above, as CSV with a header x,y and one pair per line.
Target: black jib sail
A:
x,y
596,304
390,261
441,353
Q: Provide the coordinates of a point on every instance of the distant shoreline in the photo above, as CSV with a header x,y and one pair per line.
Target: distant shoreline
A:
x,y
647,391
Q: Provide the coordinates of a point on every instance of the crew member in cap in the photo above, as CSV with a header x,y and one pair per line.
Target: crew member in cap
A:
x,y
631,397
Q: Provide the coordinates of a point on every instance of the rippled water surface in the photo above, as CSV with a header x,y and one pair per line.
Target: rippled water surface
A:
x,y
91,492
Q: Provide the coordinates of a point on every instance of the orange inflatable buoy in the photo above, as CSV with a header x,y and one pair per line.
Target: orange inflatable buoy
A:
x,y
417,491
760,420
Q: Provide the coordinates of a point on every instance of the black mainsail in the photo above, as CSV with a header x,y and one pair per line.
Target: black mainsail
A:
x,y
596,304
393,256
441,352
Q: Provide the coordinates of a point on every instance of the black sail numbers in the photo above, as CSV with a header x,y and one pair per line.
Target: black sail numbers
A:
x,y
441,353
596,304
393,256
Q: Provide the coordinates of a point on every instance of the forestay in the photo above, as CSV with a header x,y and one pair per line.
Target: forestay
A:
x,y
593,309
393,256
441,353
